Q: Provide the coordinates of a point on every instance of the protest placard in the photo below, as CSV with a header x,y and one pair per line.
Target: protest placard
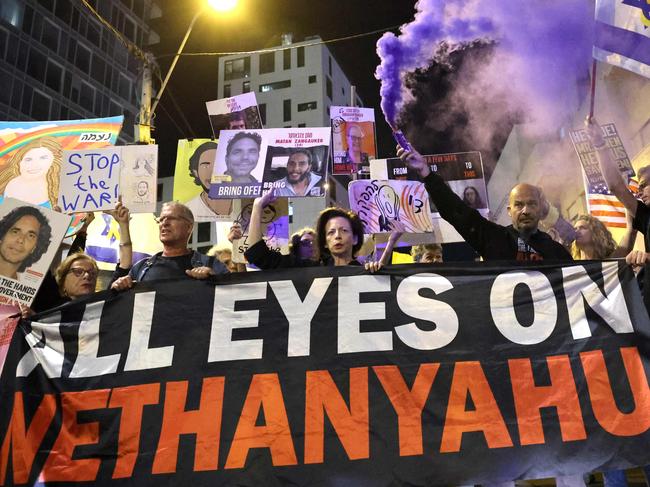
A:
x,y
194,166
353,139
29,240
36,147
275,227
234,113
601,203
394,192
292,161
90,179
139,177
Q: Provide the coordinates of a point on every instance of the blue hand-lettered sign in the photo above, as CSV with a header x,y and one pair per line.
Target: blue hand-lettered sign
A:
x,y
90,179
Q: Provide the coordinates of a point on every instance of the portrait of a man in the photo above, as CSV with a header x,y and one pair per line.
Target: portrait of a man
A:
x,y
201,164
242,155
300,180
25,235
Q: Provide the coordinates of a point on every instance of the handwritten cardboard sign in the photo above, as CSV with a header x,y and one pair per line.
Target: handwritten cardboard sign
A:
x,y
138,177
90,179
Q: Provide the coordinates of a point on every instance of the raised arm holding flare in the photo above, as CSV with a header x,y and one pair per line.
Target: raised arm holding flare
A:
x,y
522,241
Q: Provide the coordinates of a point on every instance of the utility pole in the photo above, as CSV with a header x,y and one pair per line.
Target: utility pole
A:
x,y
142,129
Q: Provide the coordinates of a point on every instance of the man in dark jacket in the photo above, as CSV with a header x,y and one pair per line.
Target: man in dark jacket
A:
x,y
522,241
176,260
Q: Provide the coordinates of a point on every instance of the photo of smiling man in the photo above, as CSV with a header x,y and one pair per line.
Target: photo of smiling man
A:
x,y
238,170
300,180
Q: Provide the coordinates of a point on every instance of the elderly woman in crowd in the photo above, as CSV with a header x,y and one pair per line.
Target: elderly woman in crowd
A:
x,y
77,275
339,236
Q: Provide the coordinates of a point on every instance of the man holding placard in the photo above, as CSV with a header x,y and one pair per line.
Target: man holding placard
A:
x,y
177,260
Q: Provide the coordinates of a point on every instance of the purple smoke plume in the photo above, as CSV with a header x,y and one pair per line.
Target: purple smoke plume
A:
x,y
541,47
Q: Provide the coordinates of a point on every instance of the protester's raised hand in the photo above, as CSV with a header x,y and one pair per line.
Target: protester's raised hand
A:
x,y
235,232
200,272
121,214
594,132
414,161
122,283
266,199
88,219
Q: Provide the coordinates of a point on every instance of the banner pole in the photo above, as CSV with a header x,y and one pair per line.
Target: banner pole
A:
x,y
593,89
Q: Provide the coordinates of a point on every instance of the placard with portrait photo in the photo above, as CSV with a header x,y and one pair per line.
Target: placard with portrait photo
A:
x,y
293,161
353,139
29,240
238,112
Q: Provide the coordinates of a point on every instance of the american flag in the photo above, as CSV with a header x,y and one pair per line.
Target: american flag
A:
x,y
602,204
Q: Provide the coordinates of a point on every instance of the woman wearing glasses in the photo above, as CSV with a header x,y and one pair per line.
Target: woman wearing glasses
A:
x,y
77,275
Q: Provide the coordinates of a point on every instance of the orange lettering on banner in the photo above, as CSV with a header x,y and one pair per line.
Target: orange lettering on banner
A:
x,y
602,399
351,425
561,394
469,379
204,422
132,400
264,393
60,466
408,404
24,444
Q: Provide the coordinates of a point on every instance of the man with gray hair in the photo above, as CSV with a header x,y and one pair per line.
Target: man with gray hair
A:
x,y
175,225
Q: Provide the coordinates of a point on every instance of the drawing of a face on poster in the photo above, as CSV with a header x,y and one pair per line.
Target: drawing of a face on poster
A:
x,y
269,214
387,201
242,157
142,192
32,173
25,235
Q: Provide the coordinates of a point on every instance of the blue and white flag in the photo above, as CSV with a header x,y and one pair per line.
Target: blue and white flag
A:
x,y
622,36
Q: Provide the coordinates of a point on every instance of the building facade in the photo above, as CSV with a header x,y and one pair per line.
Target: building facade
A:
x,y
58,62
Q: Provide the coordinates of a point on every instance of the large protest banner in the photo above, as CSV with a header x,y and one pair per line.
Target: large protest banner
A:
x,y
420,375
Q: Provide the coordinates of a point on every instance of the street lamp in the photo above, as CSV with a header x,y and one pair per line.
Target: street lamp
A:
x,y
143,129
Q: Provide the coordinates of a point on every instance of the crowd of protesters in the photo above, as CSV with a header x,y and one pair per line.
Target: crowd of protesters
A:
x,y
338,236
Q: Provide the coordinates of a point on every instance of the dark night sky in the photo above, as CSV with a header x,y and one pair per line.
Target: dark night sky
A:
x,y
259,25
